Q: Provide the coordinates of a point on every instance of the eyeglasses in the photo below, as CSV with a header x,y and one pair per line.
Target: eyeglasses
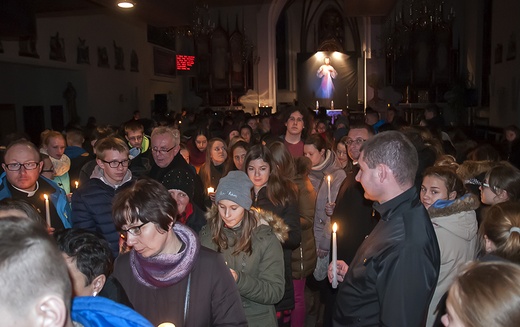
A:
x,y
115,163
485,185
160,151
356,141
27,165
136,230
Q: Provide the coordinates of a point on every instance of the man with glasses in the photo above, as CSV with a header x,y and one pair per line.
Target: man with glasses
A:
x,y
139,145
92,202
166,156
22,180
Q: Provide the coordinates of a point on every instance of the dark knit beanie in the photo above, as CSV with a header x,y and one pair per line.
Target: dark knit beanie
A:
x,y
179,179
236,187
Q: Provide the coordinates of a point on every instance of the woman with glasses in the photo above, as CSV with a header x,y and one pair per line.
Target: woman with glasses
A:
x,y
167,275
92,202
501,184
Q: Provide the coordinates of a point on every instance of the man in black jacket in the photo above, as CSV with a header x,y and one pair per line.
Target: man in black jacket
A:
x,y
393,274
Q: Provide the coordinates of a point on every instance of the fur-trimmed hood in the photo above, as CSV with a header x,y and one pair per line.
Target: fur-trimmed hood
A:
x,y
456,217
280,229
442,208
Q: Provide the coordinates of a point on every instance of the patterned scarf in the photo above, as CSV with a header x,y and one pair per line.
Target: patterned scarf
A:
x,y
164,270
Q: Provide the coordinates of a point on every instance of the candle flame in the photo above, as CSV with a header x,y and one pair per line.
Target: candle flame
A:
x,y
335,227
45,197
77,184
211,190
328,178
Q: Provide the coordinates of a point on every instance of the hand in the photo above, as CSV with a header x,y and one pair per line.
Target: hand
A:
x,y
342,270
329,208
50,230
234,274
212,196
322,253
69,197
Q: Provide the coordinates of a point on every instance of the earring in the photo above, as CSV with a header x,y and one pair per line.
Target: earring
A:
x,y
94,294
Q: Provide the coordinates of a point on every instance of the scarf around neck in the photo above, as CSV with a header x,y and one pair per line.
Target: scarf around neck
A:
x,y
165,270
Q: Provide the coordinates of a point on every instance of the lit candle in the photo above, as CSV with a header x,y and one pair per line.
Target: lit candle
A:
x,y
317,105
47,210
334,257
332,104
166,324
77,184
211,190
328,184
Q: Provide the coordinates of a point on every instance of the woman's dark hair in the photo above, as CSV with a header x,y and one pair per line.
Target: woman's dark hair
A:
x,y
318,142
90,252
230,161
280,190
146,201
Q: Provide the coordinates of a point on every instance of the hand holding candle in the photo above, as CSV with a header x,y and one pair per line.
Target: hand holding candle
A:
x,y
47,210
328,194
334,256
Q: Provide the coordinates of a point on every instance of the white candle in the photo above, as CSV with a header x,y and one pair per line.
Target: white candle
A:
x,y
328,184
211,190
77,184
47,210
334,257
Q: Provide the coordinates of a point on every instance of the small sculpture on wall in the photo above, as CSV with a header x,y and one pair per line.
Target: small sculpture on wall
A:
x,y
103,57
57,45
83,52
27,47
119,57
134,62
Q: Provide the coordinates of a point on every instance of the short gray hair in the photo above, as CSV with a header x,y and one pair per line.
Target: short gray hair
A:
x,y
394,150
172,132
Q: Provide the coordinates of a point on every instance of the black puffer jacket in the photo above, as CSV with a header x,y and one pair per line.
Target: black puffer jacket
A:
x,y
92,207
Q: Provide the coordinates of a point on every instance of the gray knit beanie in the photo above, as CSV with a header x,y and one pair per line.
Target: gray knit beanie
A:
x,y
236,187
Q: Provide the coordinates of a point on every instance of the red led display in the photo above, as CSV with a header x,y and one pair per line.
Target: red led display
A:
x,y
185,62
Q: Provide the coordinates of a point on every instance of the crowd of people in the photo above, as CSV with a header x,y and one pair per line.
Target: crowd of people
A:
x,y
225,219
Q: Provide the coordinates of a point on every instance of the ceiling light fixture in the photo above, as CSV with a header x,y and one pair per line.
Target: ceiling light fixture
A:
x,y
126,4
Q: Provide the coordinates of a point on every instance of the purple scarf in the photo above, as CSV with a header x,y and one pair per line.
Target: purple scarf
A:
x,y
165,270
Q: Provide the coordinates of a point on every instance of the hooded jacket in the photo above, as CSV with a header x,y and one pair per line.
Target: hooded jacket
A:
x,y
455,225
260,274
92,207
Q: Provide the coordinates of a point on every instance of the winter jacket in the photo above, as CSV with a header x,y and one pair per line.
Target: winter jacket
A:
x,y
98,311
393,275
261,273
290,216
58,198
92,207
455,225
206,297
318,177
304,256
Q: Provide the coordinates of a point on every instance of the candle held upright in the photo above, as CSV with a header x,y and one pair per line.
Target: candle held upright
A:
x,y
334,256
